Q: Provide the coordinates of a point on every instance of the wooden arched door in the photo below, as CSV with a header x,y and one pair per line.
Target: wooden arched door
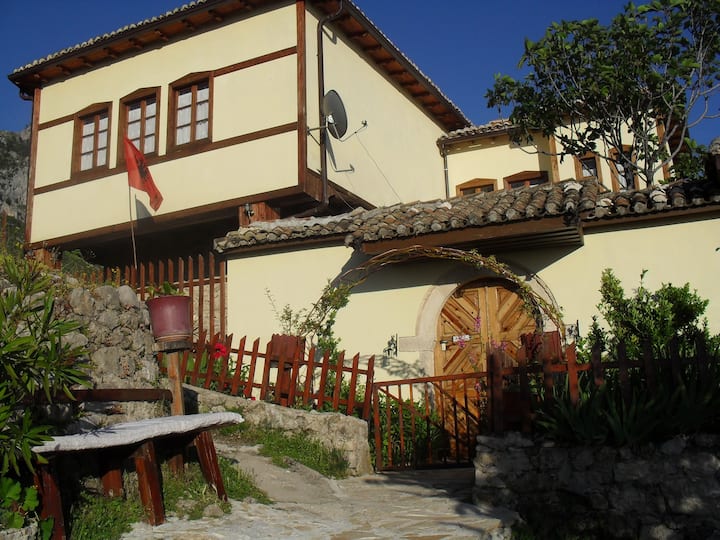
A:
x,y
479,315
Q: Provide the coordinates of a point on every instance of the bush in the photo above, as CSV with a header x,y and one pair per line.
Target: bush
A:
x,y
35,360
666,322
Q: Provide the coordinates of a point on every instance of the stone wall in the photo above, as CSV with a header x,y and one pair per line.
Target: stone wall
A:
x,y
120,348
120,345
335,430
668,491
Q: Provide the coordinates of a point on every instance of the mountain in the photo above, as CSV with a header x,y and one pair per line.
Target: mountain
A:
x,y
14,161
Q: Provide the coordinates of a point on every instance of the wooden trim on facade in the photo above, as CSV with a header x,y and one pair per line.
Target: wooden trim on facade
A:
x,y
301,59
275,55
152,160
470,235
32,166
198,214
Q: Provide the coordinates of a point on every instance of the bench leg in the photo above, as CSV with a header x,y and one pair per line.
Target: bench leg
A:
x,y
148,474
48,486
111,473
209,463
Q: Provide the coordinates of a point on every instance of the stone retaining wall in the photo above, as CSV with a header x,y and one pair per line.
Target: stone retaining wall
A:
x,y
668,491
120,347
335,430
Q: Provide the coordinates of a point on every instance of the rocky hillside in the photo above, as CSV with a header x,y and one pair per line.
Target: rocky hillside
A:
x,y
14,160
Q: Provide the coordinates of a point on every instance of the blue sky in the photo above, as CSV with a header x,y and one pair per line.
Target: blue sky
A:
x,y
460,45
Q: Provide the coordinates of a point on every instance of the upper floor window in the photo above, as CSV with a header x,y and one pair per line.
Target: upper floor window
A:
x,y
623,173
525,179
476,185
190,112
91,143
587,167
141,120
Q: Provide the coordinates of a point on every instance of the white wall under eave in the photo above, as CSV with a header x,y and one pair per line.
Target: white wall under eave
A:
x,y
395,159
227,173
678,254
53,145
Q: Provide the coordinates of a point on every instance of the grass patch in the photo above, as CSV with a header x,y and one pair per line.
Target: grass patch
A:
x,y
95,517
283,449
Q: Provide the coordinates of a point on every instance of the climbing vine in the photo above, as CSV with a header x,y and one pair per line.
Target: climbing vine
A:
x,y
335,296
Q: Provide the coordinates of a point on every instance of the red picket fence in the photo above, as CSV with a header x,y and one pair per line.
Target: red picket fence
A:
x,y
202,277
282,372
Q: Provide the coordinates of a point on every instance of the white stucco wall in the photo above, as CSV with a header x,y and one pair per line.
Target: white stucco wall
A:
x,y
405,300
245,101
395,159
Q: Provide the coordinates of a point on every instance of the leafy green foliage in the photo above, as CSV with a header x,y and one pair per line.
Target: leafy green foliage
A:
x,y
649,72
35,359
284,448
96,517
424,438
661,323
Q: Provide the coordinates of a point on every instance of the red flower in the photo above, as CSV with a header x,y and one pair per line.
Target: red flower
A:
x,y
221,351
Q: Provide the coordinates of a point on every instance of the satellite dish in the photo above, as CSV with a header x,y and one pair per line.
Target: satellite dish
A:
x,y
335,116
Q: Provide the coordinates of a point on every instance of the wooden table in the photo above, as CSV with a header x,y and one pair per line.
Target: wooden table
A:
x,y
112,446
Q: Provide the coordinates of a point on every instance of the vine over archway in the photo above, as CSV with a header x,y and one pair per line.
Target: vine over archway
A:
x,y
336,294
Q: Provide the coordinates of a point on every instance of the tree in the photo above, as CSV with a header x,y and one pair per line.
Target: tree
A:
x,y
650,73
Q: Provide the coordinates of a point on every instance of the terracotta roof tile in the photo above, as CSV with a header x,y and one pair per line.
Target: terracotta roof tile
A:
x,y
586,201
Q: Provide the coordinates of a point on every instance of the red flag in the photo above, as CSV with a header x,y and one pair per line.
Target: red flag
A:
x,y
139,175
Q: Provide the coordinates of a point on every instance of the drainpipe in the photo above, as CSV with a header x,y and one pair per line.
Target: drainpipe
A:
x,y
443,153
321,94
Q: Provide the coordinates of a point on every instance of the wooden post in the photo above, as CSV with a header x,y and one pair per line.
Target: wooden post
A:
x,y
148,475
173,367
572,373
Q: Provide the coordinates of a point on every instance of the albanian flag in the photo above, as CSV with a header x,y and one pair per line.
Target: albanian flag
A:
x,y
139,175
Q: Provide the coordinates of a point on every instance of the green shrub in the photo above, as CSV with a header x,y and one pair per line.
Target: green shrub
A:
x,y
35,359
671,318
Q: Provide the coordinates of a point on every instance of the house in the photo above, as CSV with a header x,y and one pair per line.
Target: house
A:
x,y
224,99
238,109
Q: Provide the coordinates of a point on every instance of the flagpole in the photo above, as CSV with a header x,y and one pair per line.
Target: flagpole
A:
x,y
132,228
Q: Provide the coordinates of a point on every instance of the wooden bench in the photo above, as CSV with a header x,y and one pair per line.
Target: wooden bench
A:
x,y
110,447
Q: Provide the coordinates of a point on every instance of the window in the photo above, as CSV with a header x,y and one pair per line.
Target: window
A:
x,y
623,174
91,139
587,167
476,185
525,178
190,112
140,121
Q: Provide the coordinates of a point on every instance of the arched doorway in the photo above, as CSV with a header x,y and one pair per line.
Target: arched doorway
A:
x,y
482,314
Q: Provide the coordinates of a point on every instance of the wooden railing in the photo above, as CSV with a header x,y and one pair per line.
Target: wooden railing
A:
x,y
282,372
202,277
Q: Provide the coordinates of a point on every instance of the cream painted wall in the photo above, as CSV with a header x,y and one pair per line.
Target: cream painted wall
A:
x,y
677,254
405,300
296,278
95,204
244,101
256,98
396,157
492,158
223,46
56,159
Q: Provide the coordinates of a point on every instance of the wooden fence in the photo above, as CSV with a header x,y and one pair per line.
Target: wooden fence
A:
x,y
282,372
202,277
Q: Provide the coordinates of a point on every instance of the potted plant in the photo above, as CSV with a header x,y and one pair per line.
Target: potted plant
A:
x,y
170,314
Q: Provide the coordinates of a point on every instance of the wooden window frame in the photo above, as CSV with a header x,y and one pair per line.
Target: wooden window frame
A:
x,y
578,167
94,111
525,179
189,81
141,95
478,184
615,173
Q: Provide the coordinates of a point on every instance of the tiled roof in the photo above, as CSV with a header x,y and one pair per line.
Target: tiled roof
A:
x,y
491,128
586,201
